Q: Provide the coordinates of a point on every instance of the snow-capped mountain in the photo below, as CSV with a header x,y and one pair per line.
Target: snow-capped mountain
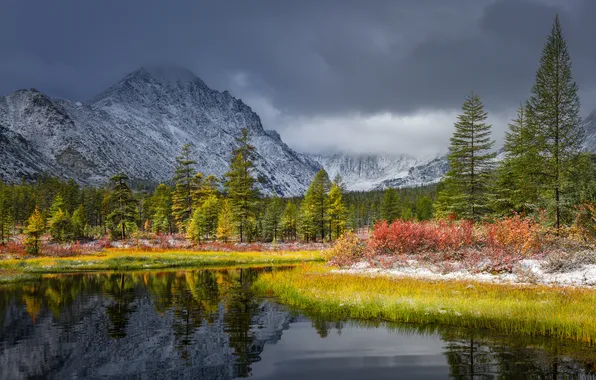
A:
x,y
377,172
139,126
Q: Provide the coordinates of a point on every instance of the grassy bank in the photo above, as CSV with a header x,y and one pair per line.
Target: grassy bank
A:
x,y
530,310
119,259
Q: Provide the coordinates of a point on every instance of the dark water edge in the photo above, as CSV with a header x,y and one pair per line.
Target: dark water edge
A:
x,y
209,324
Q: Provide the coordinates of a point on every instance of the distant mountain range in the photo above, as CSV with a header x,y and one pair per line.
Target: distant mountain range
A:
x,y
139,125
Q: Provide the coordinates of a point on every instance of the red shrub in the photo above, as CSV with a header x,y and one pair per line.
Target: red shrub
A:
x,y
406,237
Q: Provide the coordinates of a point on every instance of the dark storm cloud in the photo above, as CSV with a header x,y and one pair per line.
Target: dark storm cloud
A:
x,y
300,59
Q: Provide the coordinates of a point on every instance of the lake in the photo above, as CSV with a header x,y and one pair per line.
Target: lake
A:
x,y
209,324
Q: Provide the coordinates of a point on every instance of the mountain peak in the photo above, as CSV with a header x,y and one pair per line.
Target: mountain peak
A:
x,y
169,74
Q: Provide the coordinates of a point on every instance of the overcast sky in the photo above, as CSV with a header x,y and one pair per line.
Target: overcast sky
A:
x,y
329,75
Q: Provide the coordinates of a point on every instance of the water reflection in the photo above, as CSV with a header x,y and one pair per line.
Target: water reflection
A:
x,y
209,324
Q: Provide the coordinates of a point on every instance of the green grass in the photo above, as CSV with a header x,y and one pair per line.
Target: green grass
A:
x,y
567,313
125,260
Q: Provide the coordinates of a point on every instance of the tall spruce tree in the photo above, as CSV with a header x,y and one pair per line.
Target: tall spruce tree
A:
x,y
122,207
240,184
184,186
471,164
555,106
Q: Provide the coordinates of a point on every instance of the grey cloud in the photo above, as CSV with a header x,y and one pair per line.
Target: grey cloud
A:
x,y
308,59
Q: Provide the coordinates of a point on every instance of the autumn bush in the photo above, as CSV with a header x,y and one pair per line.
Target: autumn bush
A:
x,y
347,250
409,237
491,247
514,235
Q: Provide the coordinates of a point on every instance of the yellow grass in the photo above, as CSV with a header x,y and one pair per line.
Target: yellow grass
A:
x,y
123,259
530,310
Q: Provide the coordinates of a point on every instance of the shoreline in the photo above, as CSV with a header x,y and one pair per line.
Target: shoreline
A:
x,y
129,260
524,309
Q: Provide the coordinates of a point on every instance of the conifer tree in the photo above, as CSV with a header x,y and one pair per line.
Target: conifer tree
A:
x,y
5,214
471,163
161,204
272,219
122,207
337,212
225,222
424,208
59,221
78,223
315,206
555,106
184,186
240,185
203,224
34,230
390,205
289,221
307,221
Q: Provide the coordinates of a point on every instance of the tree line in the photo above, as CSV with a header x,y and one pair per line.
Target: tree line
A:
x,y
203,208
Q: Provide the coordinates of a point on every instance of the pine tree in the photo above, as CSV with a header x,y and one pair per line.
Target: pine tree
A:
x,y
161,204
121,205
203,224
34,230
337,212
471,164
225,222
289,221
555,106
391,205
184,186
240,185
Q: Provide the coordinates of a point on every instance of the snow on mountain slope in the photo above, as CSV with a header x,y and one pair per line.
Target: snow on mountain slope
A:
x,y
361,173
139,126
589,124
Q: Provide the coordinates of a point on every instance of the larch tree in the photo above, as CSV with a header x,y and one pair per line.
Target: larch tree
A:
x,y
555,106
184,185
240,184
225,222
471,163
315,206
337,212
34,230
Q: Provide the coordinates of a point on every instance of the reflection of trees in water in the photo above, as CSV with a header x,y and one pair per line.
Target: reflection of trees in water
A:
x,y
223,299
484,354
121,287
241,307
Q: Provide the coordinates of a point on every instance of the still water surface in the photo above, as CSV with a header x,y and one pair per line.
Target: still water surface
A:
x,y
208,324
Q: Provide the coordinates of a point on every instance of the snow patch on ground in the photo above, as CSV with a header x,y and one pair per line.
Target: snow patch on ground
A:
x,y
529,271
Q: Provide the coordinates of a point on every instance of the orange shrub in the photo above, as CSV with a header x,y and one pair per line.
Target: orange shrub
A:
x,y
515,235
